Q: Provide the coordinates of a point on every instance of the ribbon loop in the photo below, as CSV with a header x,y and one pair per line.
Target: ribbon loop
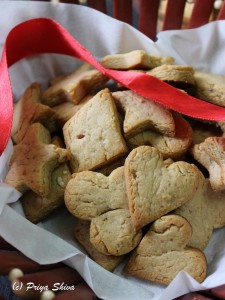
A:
x,y
43,35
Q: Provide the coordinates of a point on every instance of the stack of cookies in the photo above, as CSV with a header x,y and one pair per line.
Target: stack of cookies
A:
x,y
145,185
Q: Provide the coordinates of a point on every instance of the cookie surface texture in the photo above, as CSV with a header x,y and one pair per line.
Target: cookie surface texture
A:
x,y
155,188
211,154
33,161
74,87
112,233
93,136
205,212
37,208
137,59
163,253
82,235
141,113
210,87
29,110
89,194
170,147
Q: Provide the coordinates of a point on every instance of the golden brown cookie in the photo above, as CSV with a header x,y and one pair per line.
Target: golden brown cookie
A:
x,y
74,87
163,253
37,208
67,110
93,136
137,59
89,194
141,114
210,87
112,233
170,147
155,188
33,161
205,212
82,235
179,76
211,154
29,110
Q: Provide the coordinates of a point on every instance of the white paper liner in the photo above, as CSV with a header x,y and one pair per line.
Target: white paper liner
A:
x,y
52,240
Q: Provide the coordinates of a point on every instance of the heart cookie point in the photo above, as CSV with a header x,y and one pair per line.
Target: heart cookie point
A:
x,y
163,253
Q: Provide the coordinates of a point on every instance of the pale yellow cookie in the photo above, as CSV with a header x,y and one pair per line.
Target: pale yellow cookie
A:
x,y
170,147
33,161
74,87
205,212
155,188
29,110
163,253
37,208
82,235
179,76
211,154
93,136
89,194
141,114
137,59
210,87
112,233
67,110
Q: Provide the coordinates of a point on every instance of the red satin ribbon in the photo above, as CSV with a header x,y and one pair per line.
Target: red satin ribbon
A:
x,y
43,35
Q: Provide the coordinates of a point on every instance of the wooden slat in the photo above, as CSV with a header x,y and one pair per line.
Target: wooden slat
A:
x,y
148,17
221,14
98,4
122,10
174,14
201,13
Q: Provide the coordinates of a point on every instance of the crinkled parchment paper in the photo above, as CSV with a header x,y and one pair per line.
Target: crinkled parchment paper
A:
x,y
52,240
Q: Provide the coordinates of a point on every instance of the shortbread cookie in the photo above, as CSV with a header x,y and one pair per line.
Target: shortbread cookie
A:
x,y
83,67
67,110
82,235
170,147
112,233
210,87
211,154
155,188
89,194
37,208
29,110
141,114
73,87
179,76
93,136
137,59
205,212
163,253
33,161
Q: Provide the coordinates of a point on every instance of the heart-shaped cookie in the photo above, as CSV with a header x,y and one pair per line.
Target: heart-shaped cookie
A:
x,y
163,253
112,233
205,212
155,188
89,194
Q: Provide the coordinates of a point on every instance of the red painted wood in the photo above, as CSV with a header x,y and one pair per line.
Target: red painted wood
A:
x,y
122,10
174,14
201,13
148,17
